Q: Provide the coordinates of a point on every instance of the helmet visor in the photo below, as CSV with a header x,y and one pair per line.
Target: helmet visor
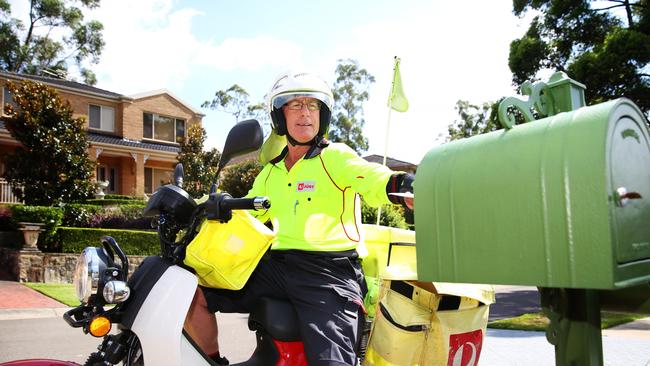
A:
x,y
283,99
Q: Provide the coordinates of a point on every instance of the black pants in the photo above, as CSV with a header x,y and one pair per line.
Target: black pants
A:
x,y
326,289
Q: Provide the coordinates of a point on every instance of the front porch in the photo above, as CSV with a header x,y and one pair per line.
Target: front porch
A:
x,y
6,193
132,168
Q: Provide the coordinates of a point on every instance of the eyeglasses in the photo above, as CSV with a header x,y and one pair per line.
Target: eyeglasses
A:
x,y
295,105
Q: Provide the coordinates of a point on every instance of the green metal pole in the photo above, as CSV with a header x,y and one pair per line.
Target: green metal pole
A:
x,y
574,327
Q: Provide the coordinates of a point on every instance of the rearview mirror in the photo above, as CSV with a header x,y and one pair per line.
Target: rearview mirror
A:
x,y
243,138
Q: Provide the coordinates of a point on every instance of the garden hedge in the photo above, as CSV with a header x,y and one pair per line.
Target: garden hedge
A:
x,y
132,242
115,202
127,216
122,197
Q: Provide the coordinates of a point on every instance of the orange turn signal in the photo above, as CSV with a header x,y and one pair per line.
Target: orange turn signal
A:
x,y
99,326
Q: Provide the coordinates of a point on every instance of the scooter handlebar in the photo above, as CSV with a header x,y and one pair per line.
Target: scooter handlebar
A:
x,y
253,203
220,205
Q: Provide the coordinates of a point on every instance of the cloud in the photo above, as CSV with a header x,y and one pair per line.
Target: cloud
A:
x,y
152,46
147,47
250,54
449,51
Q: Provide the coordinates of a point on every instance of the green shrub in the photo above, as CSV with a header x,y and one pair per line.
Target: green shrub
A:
x,y
116,217
132,211
50,216
78,214
115,202
123,217
238,179
132,242
122,197
391,215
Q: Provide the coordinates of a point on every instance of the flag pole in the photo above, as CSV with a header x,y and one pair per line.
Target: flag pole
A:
x,y
390,108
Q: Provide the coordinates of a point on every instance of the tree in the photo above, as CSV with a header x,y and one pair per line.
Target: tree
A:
x,y
200,167
52,163
350,91
238,179
391,215
234,100
588,41
474,120
53,36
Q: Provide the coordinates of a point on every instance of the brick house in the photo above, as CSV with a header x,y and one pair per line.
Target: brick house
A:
x,y
134,139
394,164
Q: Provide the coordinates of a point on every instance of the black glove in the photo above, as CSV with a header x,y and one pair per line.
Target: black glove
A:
x,y
214,210
399,183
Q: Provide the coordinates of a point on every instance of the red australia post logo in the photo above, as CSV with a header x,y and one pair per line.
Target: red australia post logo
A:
x,y
465,348
306,186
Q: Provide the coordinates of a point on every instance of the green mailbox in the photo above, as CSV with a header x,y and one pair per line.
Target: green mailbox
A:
x,y
559,202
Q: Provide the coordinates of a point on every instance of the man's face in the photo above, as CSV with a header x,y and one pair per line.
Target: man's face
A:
x,y
303,118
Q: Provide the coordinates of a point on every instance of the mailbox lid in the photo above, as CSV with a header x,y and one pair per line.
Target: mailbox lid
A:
x,y
629,166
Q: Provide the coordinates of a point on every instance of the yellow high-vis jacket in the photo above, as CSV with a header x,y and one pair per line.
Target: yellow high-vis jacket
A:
x,y
315,206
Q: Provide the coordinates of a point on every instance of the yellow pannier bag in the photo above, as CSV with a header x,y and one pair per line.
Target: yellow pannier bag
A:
x,y
225,254
429,323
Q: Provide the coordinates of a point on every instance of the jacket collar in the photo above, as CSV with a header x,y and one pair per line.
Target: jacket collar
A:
x,y
313,151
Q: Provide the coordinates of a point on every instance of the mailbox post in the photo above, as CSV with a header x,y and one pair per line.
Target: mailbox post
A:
x,y
561,203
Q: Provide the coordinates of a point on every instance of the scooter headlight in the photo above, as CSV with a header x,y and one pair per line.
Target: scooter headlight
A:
x,y
116,292
90,265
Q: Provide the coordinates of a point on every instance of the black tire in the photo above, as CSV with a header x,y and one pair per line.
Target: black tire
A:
x,y
95,359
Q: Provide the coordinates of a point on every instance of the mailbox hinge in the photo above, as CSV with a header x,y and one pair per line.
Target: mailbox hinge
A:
x,y
559,94
574,327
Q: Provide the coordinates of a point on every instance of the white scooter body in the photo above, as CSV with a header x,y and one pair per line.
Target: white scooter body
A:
x,y
159,323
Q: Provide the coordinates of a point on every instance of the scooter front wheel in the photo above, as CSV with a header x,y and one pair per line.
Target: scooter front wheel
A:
x,y
39,362
95,359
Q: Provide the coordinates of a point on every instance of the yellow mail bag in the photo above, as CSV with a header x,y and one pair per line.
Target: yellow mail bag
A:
x,y
225,254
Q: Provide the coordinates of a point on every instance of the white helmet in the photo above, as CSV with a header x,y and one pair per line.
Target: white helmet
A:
x,y
291,85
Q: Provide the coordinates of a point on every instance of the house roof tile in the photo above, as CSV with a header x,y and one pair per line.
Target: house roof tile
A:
x,y
65,84
389,161
113,140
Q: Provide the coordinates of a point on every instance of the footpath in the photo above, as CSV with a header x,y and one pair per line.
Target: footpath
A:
x,y
21,302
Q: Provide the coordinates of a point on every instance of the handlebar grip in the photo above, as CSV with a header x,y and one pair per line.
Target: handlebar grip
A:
x,y
253,203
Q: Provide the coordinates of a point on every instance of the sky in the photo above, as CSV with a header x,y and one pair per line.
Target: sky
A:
x,y
449,50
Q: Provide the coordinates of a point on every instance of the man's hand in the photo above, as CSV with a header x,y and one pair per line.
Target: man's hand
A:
x,y
213,208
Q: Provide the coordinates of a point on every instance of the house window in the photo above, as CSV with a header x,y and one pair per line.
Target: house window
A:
x,y
164,128
154,178
6,99
101,117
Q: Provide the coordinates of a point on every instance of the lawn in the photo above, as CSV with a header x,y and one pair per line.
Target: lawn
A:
x,y
538,321
61,292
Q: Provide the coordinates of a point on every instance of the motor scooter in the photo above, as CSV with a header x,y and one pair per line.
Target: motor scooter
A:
x,y
149,308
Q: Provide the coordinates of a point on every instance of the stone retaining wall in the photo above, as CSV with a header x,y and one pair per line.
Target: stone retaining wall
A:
x,y
27,266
